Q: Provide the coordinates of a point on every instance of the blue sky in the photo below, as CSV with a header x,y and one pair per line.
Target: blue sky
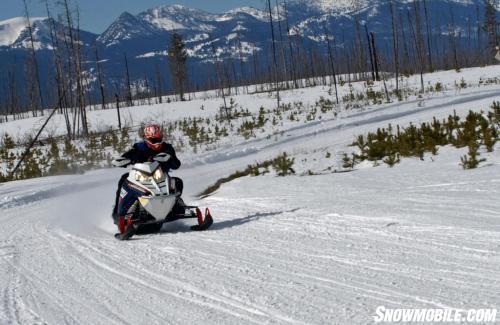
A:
x,y
96,15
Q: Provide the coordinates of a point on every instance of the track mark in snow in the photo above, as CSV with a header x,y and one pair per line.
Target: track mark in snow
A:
x,y
409,236
8,251
129,270
15,310
190,293
377,119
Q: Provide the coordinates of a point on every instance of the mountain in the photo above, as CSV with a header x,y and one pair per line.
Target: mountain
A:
x,y
126,27
15,33
307,18
239,34
199,29
177,17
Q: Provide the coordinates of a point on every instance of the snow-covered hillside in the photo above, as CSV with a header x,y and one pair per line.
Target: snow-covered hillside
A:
x,y
477,80
323,249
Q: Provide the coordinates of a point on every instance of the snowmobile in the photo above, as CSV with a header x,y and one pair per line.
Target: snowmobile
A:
x,y
154,200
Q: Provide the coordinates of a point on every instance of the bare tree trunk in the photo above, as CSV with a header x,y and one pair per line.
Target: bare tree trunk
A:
x,y
395,45
419,53
159,84
282,49
118,111
406,57
370,51
418,34
453,43
290,48
375,57
13,94
74,64
59,71
332,64
129,87
148,93
275,61
220,81
478,47
35,62
244,78
429,50
80,81
99,77
359,52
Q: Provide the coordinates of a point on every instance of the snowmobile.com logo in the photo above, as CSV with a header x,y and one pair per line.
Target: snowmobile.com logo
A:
x,y
388,315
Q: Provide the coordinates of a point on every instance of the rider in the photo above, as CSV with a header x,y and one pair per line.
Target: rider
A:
x,y
145,151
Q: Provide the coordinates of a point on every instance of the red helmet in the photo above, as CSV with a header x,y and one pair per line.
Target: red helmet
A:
x,y
153,136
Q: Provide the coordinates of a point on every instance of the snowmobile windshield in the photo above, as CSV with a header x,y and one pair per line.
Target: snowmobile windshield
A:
x,y
143,177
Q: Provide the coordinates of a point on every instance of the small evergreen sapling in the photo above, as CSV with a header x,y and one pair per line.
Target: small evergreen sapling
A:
x,y
349,162
283,165
471,161
392,159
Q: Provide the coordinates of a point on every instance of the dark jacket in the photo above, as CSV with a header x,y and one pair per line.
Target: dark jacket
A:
x,y
141,153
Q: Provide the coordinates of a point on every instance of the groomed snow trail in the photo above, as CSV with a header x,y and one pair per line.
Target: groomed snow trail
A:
x,y
324,249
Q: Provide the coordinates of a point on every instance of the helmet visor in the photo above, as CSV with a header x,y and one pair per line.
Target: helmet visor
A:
x,y
155,140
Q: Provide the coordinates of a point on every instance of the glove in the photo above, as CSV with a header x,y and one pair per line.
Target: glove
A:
x,y
162,157
121,162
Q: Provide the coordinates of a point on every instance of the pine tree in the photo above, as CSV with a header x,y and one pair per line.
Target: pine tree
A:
x,y
392,159
283,165
70,150
124,140
7,142
471,161
349,162
488,135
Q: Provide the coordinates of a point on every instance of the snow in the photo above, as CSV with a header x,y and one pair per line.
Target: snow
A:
x,y
323,249
102,119
176,17
152,54
167,24
231,36
239,28
255,13
337,6
198,38
11,29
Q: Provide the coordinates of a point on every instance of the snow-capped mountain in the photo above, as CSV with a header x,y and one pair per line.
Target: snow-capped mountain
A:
x,y
334,7
307,19
179,18
15,33
126,27
144,36
237,34
255,13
